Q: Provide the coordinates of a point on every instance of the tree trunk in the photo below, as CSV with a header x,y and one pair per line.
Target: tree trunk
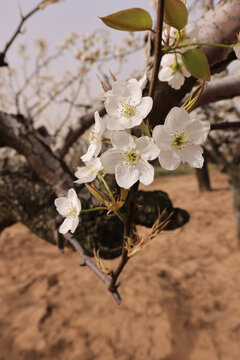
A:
x,y
234,179
203,177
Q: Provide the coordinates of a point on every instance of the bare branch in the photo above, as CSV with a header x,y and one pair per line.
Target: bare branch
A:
x,y
16,132
226,125
88,262
220,89
16,33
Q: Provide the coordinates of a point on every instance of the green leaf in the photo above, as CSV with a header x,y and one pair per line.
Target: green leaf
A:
x,y
196,63
134,19
175,14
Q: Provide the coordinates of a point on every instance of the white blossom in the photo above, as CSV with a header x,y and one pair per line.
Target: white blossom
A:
x,y
125,105
88,172
95,138
179,139
236,48
70,208
173,71
128,159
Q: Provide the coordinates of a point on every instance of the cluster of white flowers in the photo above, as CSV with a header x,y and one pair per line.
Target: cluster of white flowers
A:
x,y
172,69
177,140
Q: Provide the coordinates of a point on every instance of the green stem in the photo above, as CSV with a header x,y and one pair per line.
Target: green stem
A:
x,y
169,48
106,187
93,209
117,213
145,129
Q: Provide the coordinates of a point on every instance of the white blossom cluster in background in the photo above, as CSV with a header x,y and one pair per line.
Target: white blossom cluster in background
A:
x,y
178,140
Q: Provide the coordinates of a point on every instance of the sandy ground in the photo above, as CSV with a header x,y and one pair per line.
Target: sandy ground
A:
x,y
181,295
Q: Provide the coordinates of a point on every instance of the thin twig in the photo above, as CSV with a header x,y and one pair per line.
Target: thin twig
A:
x,y
88,262
158,48
16,33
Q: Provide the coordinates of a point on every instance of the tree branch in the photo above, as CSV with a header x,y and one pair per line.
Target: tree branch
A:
x,y
226,125
220,89
18,133
88,262
16,33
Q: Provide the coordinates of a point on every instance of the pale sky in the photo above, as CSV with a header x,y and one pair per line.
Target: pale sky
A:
x,y
58,20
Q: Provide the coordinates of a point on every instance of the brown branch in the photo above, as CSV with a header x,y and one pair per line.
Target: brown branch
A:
x,y
226,125
16,33
157,49
88,262
220,89
17,132
132,197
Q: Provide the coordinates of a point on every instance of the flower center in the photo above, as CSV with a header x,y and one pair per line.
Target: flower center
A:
x,y
90,168
94,136
128,110
179,141
71,212
176,67
132,157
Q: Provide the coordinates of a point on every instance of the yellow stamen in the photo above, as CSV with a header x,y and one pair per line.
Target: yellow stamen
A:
x,y
179,141
128,110
132,157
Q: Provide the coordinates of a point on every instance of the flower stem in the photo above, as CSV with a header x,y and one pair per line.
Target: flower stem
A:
x,y
106,187
93,209
169,48
145,129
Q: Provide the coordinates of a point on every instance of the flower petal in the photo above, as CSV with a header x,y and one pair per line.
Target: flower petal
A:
x,y
146,148
165,74
176,120
146,171
167,60
177,80
84,175
116,123
162,137
126,175
185,72
112,104
198,131
119,88
134,93
192,154
169,160
62,203
72,196
144,108
92,150
75,223
66,225
122,140
110,159
236,48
